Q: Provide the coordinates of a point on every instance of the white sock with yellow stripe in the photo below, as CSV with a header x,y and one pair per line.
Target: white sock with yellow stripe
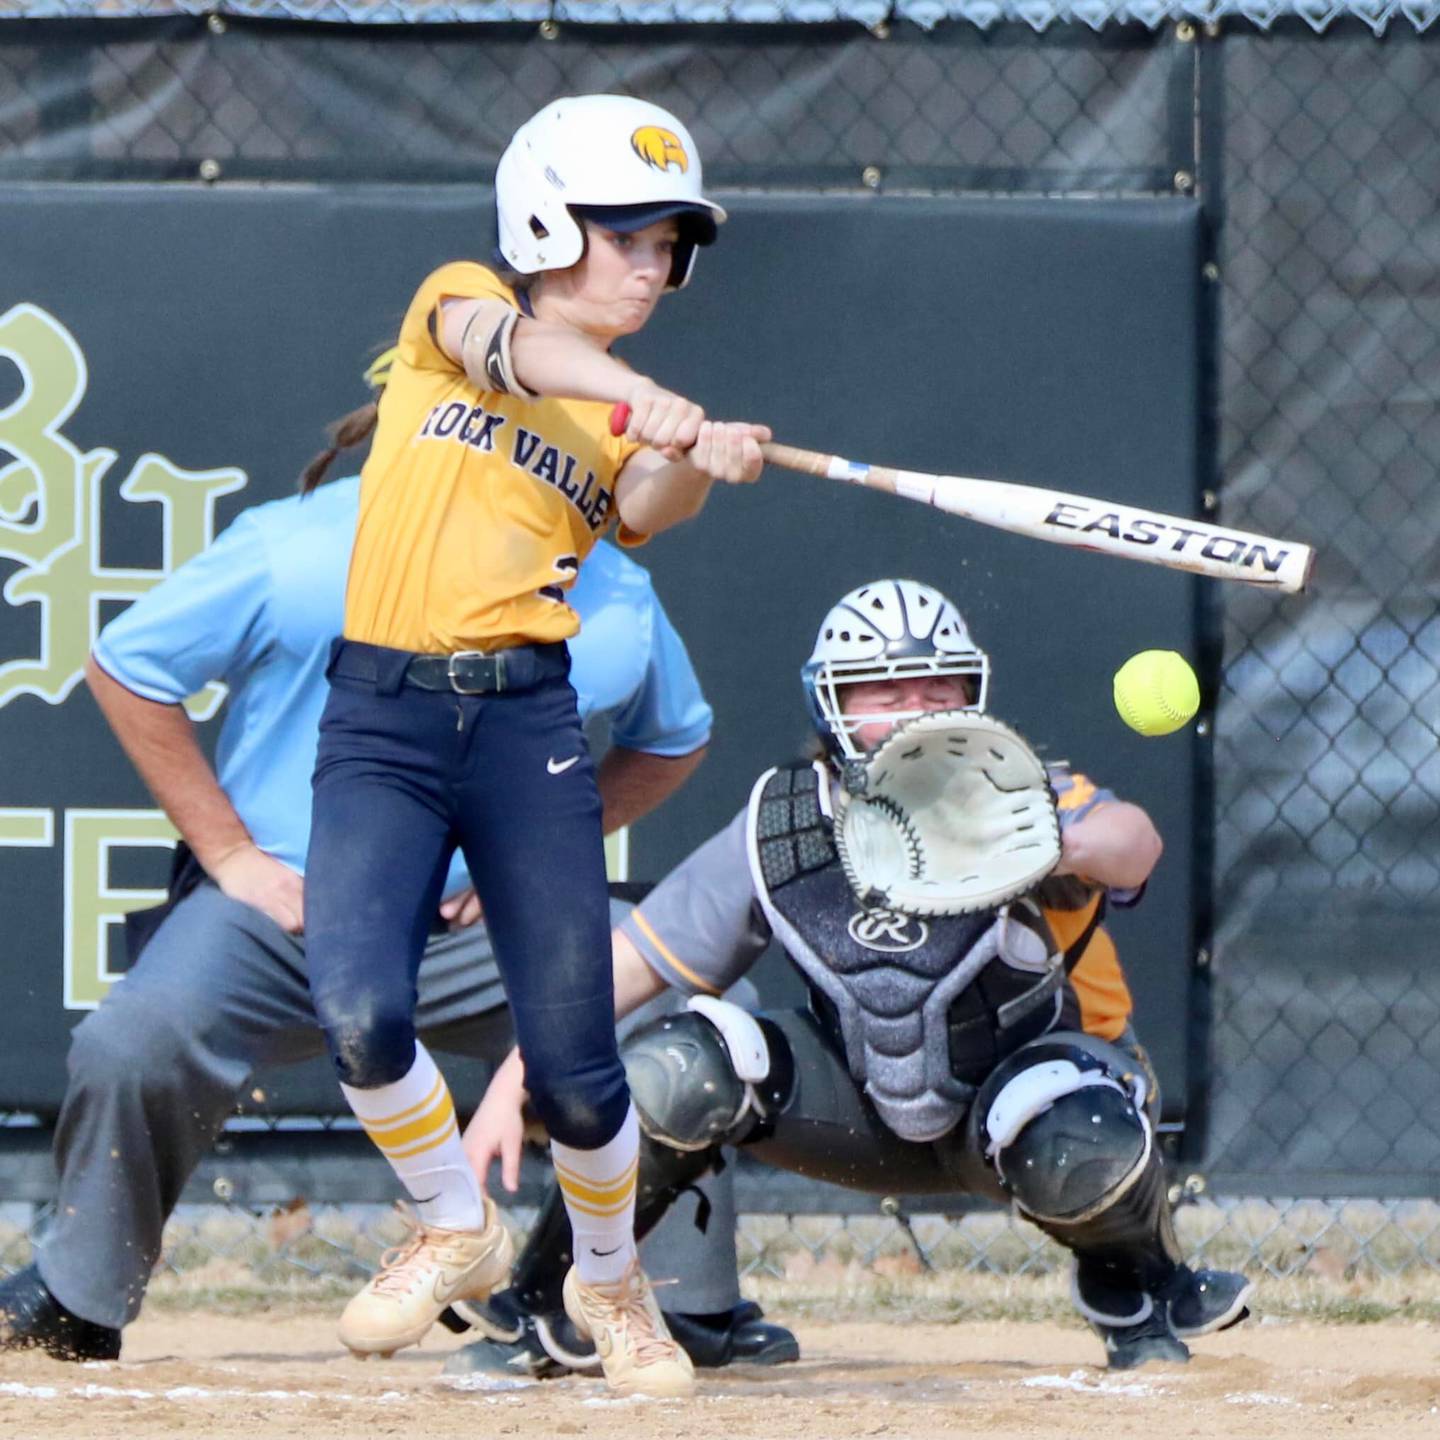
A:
x,y
599,1190
413,1123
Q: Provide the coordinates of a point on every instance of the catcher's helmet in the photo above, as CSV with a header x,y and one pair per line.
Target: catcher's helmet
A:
x,y
884,631
622,162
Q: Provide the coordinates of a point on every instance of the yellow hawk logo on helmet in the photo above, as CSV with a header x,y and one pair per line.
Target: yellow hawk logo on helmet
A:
x,y
659,148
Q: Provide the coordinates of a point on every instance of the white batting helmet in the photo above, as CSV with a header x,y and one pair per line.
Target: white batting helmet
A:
x,y
887,630
622,162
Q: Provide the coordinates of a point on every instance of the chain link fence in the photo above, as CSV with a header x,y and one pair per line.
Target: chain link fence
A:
x,y
1356,1259
802,107
550,15
1327,876
1317,164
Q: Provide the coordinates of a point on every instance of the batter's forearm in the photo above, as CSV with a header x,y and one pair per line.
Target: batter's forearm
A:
x,y
551,360
650,501
633,783
160,741
546,359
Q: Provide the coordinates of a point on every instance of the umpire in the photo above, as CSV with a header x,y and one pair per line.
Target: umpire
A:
x,y
220,989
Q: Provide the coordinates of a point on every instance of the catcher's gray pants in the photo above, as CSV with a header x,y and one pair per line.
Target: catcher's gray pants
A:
x,y
219,992
830,1130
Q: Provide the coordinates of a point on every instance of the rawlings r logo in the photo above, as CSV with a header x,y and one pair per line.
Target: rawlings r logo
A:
x,y
888,931
659,148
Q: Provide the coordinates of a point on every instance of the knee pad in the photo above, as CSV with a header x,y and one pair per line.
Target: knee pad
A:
x,y
1065,1130
702,1077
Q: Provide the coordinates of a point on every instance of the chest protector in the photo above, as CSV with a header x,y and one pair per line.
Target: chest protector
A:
x,y
924,1008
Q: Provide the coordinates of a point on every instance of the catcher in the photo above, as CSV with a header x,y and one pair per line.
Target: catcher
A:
x,y
941,892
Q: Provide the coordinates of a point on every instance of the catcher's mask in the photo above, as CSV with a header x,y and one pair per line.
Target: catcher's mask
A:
x,y
621,162
887,630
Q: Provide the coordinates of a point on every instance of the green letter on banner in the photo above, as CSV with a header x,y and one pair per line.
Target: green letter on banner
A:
x,y
92,904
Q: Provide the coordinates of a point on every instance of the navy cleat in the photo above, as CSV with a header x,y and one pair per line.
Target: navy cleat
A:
x,y
518,1344
1204,1301
1135,1328
1127,1347
542,1347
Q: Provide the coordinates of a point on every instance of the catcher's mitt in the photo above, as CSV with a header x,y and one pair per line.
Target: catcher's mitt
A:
x,y
952,814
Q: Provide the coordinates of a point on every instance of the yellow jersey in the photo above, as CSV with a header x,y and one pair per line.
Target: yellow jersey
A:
x,y
476,508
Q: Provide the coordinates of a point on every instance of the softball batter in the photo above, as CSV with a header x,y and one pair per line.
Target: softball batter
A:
x,y
451,722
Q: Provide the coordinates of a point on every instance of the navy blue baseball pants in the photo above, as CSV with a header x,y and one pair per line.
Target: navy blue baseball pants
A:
x,y
403,776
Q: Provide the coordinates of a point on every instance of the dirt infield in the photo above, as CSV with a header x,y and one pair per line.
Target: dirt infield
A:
x,y
282,1374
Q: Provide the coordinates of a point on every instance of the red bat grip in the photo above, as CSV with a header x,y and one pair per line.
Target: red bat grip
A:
x,y
619,418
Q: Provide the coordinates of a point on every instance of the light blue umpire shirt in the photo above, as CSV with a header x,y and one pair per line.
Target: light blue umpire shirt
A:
x,y
257,611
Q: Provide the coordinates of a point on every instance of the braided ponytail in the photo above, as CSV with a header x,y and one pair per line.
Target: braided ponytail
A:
x,y
352,429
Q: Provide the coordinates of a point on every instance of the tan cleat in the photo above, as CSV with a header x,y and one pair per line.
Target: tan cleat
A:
x,y
418,1279
630,1335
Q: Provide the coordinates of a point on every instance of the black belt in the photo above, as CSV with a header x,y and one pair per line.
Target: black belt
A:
x,y
467,672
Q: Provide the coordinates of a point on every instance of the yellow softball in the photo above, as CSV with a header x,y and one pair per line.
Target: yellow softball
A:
x,y
1156,692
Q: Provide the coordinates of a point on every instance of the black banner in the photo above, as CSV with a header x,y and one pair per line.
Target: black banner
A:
x,y
169,355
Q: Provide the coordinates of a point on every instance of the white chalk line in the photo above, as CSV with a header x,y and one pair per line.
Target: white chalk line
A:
x,y
181,1393
1078,1381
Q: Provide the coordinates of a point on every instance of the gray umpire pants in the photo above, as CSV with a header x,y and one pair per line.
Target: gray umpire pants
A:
x,y
219,992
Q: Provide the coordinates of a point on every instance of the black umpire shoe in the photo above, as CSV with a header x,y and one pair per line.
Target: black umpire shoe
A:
x,y
31,1318
1204,1301
739,1336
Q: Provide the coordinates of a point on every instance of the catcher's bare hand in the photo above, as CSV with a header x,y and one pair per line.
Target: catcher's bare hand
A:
x,y
462,909
497,1129
254,878
729,450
